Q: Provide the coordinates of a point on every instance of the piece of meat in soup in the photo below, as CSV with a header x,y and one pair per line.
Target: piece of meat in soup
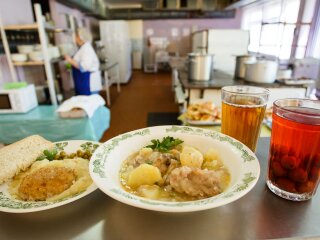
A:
x,y
196,182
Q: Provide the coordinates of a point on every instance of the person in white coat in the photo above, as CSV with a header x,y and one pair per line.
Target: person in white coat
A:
x,y
85,65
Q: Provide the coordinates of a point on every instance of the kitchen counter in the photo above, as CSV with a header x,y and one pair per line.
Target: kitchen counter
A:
x,y
108,65
221,79
110,78
260,214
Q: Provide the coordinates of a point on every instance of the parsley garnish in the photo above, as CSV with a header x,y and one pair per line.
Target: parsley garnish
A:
x,y
165,145
47,154
149,162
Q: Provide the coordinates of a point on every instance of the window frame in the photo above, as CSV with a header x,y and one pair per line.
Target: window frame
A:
x,y
314,34
294,47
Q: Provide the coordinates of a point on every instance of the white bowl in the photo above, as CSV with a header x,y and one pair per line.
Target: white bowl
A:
x,y
36,56
25,49
19,57
240,160
37,47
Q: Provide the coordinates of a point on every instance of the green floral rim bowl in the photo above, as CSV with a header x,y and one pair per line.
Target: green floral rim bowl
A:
x,y
240,160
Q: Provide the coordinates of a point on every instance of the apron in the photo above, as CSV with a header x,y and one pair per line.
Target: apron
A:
x,y
81,82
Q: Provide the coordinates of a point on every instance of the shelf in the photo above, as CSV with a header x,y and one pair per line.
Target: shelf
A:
x,y
55,60
32,26
42,28
56,29
28,63
37,63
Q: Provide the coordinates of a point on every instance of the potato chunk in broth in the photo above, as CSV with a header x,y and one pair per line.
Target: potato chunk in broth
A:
x,y
182,173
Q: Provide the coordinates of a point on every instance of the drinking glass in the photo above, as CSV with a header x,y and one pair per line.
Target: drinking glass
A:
x,y
243,109
294,158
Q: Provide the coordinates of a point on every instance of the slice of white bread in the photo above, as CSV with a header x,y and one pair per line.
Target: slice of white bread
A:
x,y
20,155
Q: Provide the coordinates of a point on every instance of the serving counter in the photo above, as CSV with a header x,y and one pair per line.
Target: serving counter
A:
x,y
258,215
212,89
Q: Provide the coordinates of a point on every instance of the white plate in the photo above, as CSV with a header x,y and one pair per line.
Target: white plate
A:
x,y
10,204
203,123
240,160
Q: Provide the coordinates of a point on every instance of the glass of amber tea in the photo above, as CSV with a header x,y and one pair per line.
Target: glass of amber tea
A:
x,y
243,109
294,157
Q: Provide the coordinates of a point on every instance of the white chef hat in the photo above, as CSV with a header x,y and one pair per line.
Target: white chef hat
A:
x,y
84,34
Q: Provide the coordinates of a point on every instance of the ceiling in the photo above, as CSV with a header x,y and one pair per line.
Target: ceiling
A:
x,y
127,1
152,9
131,4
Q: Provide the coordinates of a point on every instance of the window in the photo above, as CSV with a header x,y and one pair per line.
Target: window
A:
x,y
279,28
314,41
316,50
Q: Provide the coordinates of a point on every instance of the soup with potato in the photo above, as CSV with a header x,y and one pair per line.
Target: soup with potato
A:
x,y
169,170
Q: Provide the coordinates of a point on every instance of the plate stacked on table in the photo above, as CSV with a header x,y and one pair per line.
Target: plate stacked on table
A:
x,y
203,112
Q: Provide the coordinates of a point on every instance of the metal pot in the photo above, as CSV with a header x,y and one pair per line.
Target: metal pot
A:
x,y
261,71
240,65
200,66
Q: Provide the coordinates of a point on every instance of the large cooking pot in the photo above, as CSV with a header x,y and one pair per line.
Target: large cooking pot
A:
x,y
240,65
262,71
200,66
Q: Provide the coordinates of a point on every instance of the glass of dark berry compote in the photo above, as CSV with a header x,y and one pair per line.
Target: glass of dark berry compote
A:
x,y
294,158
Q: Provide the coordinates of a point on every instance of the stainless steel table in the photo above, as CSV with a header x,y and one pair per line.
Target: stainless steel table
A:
x,y
258,215
110,78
